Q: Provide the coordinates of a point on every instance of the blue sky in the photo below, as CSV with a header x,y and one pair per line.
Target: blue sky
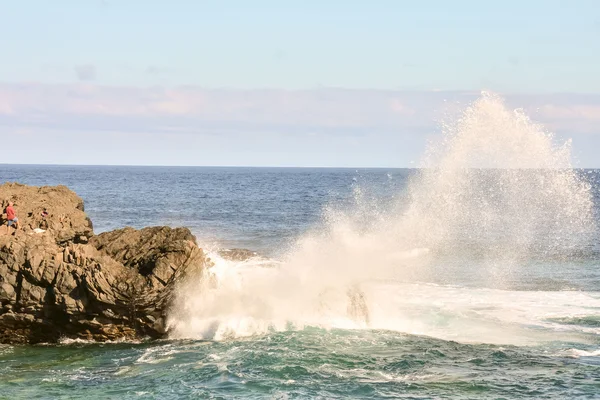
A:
x,y
414,48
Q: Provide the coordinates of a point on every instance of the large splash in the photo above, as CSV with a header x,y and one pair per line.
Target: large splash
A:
x,y
493,194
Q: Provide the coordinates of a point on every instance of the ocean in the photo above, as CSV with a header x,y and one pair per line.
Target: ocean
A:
x,y
474,277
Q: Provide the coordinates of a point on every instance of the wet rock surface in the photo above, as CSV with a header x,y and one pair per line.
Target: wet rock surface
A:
x,y
238,254
65,282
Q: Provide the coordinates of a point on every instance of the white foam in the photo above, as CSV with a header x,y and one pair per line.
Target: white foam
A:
x,y
157,354
576,353
70,341
257,300
6,349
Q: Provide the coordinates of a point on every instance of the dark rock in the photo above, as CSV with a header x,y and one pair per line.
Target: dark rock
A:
x,y
66,282
155,253
55,209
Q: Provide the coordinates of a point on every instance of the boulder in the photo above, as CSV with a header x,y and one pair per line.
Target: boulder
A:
x,y
117,285
155,253
54,209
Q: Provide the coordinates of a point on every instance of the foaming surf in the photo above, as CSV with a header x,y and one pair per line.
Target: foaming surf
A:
x,y
495,194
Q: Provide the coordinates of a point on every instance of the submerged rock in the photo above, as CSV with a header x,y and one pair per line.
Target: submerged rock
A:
x,y
66,282
237,254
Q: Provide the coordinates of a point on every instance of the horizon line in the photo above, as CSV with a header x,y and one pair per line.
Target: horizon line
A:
x,y
266,166
202,166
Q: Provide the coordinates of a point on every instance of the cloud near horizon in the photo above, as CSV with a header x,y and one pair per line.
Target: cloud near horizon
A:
x,y
278,120
192,109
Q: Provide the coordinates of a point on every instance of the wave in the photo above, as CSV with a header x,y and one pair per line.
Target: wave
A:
x,y
250,298
495,194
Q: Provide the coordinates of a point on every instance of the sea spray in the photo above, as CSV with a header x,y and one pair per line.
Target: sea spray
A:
x,y
497,188
495,193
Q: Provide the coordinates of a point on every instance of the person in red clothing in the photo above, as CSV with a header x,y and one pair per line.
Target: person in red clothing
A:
x,y
11,216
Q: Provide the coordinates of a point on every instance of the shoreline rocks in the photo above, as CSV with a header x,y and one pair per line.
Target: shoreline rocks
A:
x,y
60,280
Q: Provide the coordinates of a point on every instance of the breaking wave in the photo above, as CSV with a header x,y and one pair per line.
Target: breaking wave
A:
x,y
495,195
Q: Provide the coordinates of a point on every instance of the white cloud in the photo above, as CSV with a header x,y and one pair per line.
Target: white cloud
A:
x,y
194,126
340,111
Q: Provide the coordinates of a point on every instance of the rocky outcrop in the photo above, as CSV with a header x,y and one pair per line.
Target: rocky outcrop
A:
x,y
155,253
55,209
65,282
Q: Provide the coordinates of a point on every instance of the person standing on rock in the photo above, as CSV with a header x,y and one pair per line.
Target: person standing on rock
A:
x,y
11,216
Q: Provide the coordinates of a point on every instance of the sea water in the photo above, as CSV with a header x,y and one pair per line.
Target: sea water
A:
x,y
475,276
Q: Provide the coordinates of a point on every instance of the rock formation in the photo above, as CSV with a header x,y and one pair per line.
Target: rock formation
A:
x,y
59,280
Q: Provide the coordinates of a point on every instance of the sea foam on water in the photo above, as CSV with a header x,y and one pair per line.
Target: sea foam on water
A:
x,y
495,193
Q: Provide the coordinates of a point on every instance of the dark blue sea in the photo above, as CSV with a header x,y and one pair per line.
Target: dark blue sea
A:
x,y
478,286
256,208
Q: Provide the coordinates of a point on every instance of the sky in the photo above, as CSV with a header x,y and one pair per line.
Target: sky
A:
x,y
284,83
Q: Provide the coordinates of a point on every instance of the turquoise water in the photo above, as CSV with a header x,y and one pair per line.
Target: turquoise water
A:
x,y
451,332
311,363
